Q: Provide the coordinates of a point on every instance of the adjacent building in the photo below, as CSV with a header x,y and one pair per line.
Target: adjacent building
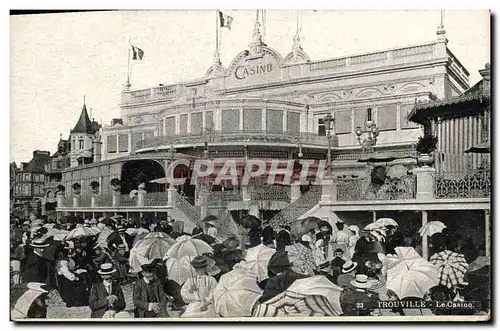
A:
x,y
29,185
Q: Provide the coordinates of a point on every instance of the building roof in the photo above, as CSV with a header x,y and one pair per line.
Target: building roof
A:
x,y
468,103
84,124
37,163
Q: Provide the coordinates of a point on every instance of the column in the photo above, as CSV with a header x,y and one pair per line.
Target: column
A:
x,y
487,232
177,124
294,191
425,244
374,214
76,201
171,196
285,117
116,199
188,122
328,191
140,198
241,127
93,201
129,135
245,194
264,119
254,209
425,183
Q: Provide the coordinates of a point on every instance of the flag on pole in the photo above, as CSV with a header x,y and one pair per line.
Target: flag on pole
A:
x,y
137,53
225,20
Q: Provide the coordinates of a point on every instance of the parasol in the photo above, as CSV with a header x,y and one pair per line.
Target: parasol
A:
x,y
312,296
188,247
257,260
209,218
386,222
235,294
22,298
179,270
154,246
452,267
374,226
301,258
431,228
80,232
411,277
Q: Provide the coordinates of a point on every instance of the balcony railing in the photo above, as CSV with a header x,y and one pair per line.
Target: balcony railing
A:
x,y
355,189
235,136
156,199
271,193
221,198
468,184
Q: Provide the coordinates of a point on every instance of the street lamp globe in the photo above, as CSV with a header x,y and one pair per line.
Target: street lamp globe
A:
x,y
359,132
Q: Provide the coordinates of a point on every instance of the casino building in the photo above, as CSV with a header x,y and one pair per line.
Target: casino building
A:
x,y
265,106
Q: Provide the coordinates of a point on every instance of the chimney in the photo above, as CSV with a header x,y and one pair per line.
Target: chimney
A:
x,y
486,73
116,121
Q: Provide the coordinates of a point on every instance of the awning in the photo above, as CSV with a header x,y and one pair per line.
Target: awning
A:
x,y
483,147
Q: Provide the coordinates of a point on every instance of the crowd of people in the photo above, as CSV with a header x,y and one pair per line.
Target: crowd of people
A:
x,y
173,270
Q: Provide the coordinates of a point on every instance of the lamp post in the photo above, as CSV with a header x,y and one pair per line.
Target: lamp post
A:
x,y
299,145
368,143
328,120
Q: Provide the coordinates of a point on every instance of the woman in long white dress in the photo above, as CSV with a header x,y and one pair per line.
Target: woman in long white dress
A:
x,y
197,291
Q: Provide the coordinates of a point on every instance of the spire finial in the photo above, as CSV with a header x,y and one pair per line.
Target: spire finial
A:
x,y
441,32
84,99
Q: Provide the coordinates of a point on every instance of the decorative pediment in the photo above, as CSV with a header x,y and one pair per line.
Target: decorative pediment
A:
x,y
252,68
298,56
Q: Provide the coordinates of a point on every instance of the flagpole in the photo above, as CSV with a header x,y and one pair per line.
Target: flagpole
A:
x,y
217,31
264,24
128,65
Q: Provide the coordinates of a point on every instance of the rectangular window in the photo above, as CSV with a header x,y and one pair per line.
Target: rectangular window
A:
x,y
136,139
27,177
360,119
343,122
274,121
252,120
387,117
196,123
230,120
37,178
80,144
183,123
123,143
321,127
170,126
111,143
42,178
209,121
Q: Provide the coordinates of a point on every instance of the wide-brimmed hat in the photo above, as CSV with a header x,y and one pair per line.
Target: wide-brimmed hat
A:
x,y
121,246
339,250
325,265
107,222
361,281
340,221
349,266
148,266
39,243
199,262
121,229
106,269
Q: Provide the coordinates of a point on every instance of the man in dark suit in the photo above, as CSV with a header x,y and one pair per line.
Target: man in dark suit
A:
x,y
37,267
283,238
356,301
106,295
164,227
268,234
149,298
121,237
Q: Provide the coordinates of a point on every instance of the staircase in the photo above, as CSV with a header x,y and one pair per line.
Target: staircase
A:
x,y
183,211
298,208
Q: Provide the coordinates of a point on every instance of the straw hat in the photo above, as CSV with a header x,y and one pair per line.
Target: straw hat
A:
x,y
39,243
349,266
106,269
361,281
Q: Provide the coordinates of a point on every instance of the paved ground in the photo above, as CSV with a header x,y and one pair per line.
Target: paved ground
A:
x,y
59,310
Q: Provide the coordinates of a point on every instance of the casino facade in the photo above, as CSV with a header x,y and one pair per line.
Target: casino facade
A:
x,y
263,106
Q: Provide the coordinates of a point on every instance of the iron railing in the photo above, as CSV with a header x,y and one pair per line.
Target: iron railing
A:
x,y
186,208
464,184
298,208
355,189
127,201
222,198
270,193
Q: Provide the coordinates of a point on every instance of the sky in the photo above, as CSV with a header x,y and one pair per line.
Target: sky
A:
x,y
56,59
